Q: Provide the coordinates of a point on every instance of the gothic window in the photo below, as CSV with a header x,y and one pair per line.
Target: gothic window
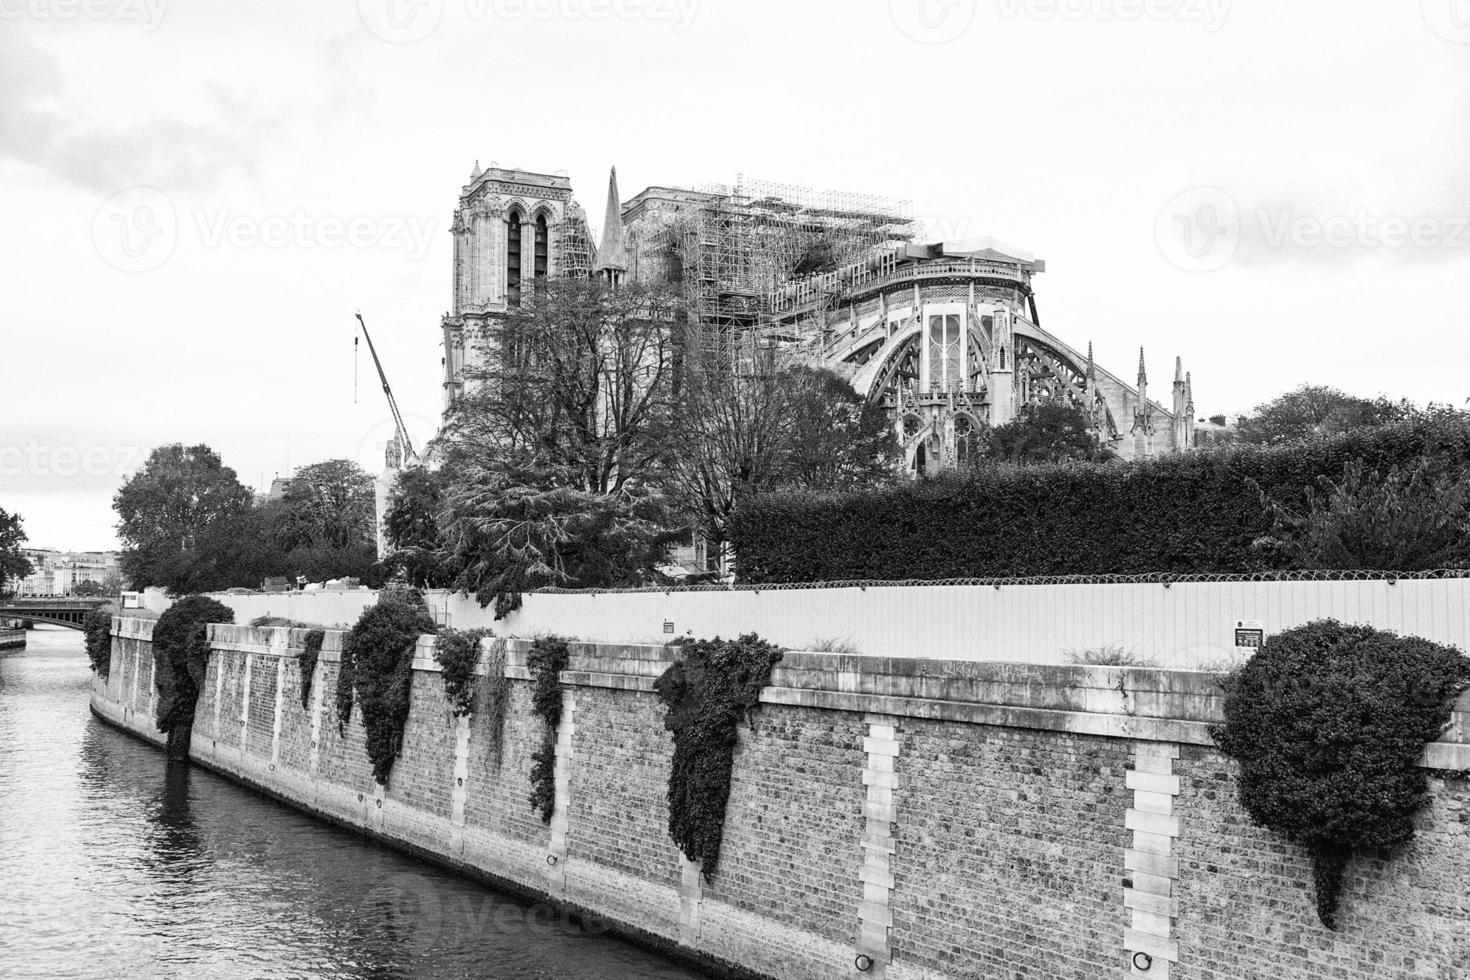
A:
x,y
542,239
513,260
946,353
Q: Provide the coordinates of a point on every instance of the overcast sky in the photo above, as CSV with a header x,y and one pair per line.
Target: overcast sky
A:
x,y
198,194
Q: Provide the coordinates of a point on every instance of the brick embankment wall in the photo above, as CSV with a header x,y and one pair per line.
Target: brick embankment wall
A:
x,y
925,819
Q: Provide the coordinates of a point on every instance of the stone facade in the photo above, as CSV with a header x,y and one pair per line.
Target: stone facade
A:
x,y
895,818
946,335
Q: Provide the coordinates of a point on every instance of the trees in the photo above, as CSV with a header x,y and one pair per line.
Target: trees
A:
x,y
183,497
550,456
14,565
1317,411
411,528
770,426
1046,434
324,526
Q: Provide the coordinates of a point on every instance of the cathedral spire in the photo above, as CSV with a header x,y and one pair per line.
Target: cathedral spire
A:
x,y
612,255
475,174
1142,371
1178,370
1091,366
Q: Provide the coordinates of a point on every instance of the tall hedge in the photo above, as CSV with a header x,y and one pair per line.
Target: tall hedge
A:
x,y
1192,512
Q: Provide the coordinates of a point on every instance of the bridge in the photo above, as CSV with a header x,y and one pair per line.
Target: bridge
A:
x,y
65,611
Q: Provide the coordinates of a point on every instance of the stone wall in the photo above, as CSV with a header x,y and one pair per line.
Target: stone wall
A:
x,y
927,819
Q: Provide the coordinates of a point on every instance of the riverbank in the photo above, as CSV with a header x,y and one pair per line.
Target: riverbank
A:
x,y
12,639
900,818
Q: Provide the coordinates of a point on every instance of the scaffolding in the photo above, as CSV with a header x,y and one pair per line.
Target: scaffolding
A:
x,y
575,252
736,249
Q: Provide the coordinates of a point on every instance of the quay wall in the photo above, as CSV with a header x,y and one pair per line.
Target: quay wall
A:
x,y
12,639
942,819
1182,625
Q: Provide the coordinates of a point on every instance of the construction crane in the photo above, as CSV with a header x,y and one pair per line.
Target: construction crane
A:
x,y
406,452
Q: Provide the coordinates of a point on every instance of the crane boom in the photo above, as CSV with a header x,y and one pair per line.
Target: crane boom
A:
x,y
405,443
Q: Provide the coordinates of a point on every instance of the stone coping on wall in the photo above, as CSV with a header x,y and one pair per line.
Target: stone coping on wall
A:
x,y
1144,704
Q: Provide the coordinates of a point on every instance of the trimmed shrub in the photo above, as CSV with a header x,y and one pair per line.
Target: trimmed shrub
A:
x,y
1328,723
1194,512
97,627
180,659
377,667
548,657
707,694
458,653
306,663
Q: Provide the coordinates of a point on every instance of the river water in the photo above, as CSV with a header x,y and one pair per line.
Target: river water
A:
x,y
115,866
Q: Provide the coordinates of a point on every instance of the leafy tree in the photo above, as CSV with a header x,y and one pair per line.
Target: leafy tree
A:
x,y
169,509
741,433
550,455
1406,519
1045,434
1315,412
14,565
329,505
89,588
411,527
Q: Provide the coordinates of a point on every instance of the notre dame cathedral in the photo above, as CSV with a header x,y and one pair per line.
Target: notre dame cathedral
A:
x,y
945,335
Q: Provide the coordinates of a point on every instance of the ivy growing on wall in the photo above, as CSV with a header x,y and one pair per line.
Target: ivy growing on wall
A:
x,y
707,694
1328,723
548,657
97,626
310,652
458,653
377,667
495,703
180,659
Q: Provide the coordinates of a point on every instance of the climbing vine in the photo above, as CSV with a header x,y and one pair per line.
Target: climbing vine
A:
x,y
97,626
180,659
458,653
1328,723
495,703
311,650
548,657
707,694
377,667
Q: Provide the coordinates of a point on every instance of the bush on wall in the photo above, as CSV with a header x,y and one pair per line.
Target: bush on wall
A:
x,y
377,667
97,627
707,693
311,651
1328,723
548,657
458,653
1193,512
180,659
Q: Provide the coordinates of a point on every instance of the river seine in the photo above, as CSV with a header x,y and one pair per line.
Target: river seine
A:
x,y
114,866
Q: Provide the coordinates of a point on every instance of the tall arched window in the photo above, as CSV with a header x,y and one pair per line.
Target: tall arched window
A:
x,y
513,260
542,248
946,353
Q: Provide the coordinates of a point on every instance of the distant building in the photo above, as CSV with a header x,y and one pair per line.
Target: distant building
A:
x,y
60,572
944,335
